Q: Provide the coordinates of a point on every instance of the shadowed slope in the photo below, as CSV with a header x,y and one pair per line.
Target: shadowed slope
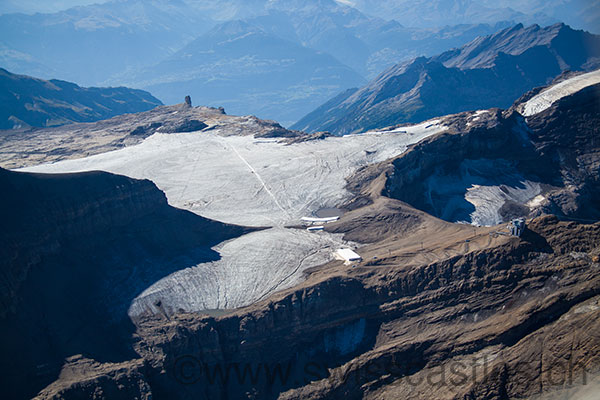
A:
x,y
76,249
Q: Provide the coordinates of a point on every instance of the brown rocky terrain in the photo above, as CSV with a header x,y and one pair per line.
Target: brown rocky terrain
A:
x,y
509,321
36,146
556,149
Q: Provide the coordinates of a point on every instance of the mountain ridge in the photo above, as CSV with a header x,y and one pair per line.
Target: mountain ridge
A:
x,y
32,102
76,247
122,43
425,87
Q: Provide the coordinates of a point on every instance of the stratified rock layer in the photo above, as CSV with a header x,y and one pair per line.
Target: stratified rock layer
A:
x,y
76,249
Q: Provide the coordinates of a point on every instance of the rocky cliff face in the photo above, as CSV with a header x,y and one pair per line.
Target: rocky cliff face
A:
x,y
567,133
495,165
41,212
367,334
77,248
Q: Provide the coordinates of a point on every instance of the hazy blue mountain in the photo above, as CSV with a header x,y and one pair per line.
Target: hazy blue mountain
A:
x,y
89,44
283,65
488,72
28,101
432,13
249,71
581,14
298,53
15,60
366,44
226,10
392,42
33,6
572,48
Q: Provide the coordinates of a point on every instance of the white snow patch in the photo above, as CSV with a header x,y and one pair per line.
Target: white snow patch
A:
x,y
536,201
471,196
416,130
489,199
346,2
476,116
545,99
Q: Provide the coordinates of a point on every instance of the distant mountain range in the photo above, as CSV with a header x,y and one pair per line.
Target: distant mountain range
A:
x,y
98,43
247,70
428,13
89,44
28,101
33,6
431,13
283,64
582,14
326,47
198,47
488,72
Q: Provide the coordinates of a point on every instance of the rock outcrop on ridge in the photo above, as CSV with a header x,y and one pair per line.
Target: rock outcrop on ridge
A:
x,y
37,146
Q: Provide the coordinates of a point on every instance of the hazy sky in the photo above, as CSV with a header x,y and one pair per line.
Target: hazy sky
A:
x,y
33,6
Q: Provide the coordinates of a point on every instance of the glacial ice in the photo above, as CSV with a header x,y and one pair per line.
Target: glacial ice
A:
x,y
253,182
546,98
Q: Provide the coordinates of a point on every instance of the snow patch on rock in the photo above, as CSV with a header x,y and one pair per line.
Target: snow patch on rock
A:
x,y
470,196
